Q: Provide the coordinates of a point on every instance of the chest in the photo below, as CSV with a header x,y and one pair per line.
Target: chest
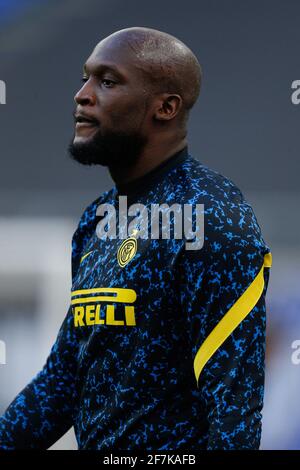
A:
x,y
124,283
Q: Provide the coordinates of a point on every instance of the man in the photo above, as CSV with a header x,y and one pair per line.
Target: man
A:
x,y
163,346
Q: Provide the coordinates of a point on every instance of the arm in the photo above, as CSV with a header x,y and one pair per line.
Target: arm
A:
x,y
223,289
43,410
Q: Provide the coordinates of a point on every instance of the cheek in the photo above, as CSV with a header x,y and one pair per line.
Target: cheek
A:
x,y
122,111
130,112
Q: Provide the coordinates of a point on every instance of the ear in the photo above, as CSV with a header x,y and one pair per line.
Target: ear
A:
x,y
167,107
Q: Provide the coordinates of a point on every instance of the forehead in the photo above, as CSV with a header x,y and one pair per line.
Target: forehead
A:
x,y
115,56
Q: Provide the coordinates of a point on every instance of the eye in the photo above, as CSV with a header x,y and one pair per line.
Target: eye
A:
x,y
105,81
108,83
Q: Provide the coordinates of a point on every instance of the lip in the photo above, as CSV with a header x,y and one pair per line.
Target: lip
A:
x,y
83,124
81,118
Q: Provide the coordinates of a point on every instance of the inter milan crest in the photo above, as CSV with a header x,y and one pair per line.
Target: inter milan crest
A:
x,y
127,250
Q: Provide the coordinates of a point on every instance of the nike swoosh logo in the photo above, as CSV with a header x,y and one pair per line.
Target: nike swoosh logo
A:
x,y
86,255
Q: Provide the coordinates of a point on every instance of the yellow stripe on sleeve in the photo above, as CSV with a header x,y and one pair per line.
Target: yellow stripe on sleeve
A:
x,y
235,315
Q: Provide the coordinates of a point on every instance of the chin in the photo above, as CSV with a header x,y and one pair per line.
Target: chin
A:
x,y
82,139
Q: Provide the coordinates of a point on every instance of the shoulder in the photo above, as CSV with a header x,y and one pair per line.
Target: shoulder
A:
x,y
231,230
194,181
225,206
89,214
85,228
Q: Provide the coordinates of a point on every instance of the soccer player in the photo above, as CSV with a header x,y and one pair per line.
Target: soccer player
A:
x,y
162,347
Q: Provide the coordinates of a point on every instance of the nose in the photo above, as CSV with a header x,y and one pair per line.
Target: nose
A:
x,y
85,96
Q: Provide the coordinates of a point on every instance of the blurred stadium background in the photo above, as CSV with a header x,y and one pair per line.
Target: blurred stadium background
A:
x,y
244,126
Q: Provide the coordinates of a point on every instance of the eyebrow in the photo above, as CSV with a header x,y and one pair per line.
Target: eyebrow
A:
x,y
101,68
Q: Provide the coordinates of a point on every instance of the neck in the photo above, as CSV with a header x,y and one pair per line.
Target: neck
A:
x,y
152,155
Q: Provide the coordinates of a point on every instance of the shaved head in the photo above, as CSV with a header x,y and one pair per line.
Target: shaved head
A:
x,y
132,109
166,63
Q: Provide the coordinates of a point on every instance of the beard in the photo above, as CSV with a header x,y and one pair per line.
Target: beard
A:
x,y
112,149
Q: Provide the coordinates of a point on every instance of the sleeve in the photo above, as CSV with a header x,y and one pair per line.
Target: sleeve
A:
x,y
222,291
43,411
